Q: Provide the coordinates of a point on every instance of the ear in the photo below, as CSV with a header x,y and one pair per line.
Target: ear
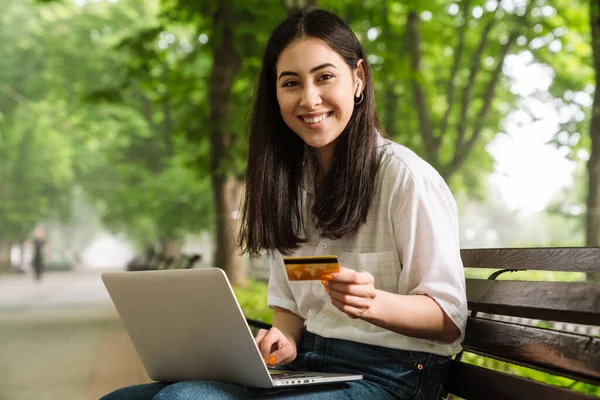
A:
x,y
360,77
358,87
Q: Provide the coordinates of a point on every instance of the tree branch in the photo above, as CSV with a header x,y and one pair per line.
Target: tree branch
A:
x,y
414,44
468,90
455,67
463,151
146,108
167,117
13,94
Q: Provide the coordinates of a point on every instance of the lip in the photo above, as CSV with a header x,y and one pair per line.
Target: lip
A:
x,y
313,115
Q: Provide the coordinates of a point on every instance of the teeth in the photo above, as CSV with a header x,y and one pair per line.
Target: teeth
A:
x,y
316,119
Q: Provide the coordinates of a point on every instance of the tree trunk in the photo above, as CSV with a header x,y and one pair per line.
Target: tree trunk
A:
x,y
413,37
22,254
390,101
227,255
171,251
226,64
593,200
5,253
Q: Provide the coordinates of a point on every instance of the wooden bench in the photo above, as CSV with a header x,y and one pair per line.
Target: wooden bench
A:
x,y
525,342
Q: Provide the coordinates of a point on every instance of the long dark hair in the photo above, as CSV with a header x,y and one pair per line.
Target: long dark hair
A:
x,y
272,209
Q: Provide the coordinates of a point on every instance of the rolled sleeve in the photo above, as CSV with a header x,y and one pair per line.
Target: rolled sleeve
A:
x,y
427,239
279,292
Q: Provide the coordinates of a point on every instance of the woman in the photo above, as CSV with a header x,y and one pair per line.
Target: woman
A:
x,y
39,244
322,181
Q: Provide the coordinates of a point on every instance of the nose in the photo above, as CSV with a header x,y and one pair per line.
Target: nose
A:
x,y
310,97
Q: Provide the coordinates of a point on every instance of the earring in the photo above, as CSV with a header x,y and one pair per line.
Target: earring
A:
x,y
359,94
361,97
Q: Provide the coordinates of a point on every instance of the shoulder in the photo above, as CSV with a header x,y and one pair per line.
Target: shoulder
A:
x,y
412,185
401,166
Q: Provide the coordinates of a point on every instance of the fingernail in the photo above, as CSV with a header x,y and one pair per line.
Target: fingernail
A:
x,y
272,360
265,360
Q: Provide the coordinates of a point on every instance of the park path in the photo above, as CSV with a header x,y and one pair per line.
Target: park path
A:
x,y
62,339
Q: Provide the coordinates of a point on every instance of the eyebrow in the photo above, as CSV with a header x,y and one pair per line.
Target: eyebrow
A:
x,y
318,67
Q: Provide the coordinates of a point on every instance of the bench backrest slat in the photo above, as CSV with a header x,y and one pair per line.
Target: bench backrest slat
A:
x,y
472,382
580,259
576,302
567,354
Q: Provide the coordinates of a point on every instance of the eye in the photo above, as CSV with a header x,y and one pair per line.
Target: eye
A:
x,y
325,77
289,84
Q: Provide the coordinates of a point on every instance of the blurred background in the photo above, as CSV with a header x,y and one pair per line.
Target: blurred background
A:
x,y
123,141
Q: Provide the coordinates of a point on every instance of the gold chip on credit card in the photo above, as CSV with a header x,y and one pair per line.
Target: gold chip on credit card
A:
x,y
310,267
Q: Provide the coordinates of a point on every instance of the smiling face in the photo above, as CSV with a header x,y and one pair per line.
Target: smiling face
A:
x,y
315,91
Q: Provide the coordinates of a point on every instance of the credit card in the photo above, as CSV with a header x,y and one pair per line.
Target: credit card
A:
x,y
310,267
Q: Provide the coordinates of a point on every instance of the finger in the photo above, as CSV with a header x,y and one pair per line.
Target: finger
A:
x,y
265,344
352,301
281,356
270,342
343,277
260,335
352,312
354,289
349,289
343,270
356,278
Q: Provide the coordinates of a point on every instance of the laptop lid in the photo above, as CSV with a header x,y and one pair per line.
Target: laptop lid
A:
x,y
188,325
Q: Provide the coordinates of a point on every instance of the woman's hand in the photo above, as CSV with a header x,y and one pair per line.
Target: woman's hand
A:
x,y
351,292
275,347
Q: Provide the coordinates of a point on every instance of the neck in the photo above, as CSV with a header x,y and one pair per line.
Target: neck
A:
x,y
323,156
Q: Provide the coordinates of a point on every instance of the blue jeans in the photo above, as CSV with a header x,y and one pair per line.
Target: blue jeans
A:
x,y
388,374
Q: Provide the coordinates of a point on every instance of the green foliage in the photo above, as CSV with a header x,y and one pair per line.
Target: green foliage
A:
x,y
461,47
253,301
35,168
126,86
139,190
127,155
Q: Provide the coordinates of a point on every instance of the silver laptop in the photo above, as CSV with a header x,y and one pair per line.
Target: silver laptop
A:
x,y
188,325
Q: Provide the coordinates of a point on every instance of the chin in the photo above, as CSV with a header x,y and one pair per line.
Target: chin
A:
x,y
317,144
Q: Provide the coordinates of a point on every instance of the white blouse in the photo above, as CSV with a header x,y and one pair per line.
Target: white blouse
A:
x,y
409,244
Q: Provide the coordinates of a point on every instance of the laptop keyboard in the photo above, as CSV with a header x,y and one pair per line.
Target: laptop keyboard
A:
x,y
283,374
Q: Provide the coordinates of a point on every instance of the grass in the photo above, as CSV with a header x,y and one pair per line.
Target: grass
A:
x,y
547,276
253,300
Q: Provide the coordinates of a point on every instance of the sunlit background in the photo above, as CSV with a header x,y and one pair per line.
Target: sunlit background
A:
x,y
123,139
